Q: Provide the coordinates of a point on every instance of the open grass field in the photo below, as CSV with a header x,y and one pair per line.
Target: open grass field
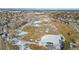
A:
x,y
37,47
45,27
65,29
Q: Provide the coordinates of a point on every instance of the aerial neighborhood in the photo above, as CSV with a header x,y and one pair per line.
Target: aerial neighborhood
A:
x,y
39,29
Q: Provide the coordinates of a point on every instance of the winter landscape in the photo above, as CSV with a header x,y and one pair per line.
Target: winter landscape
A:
x,y
39,29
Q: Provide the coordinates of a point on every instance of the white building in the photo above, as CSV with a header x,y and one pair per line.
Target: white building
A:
x,y
52,42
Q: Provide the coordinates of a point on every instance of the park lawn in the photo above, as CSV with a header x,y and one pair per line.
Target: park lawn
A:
x,y
65,29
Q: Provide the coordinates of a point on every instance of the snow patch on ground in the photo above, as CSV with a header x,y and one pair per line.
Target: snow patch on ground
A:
x,y
21,33
37,25
37,22
21,44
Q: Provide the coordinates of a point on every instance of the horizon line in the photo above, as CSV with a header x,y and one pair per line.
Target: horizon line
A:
x,y
39,9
